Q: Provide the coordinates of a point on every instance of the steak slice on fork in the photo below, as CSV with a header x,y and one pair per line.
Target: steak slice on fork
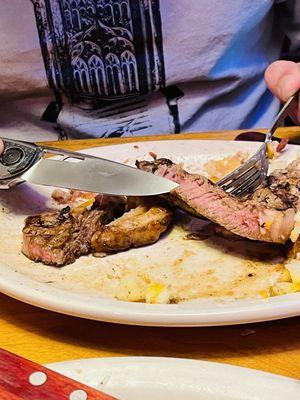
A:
x,y
268,215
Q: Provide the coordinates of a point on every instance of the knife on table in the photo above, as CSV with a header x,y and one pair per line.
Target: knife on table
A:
x,y
21,379
26,162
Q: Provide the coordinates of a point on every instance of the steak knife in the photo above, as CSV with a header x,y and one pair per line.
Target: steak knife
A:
x,y
21,379
26,162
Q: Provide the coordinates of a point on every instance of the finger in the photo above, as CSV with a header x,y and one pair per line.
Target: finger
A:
x,y
298,111
283,78
1,147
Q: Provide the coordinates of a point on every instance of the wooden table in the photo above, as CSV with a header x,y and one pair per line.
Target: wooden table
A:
x,y
44,336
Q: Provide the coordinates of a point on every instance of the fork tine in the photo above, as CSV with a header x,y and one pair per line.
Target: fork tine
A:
x,y
248,176
251,183
251,188
245,183
252,173
244,167
241,178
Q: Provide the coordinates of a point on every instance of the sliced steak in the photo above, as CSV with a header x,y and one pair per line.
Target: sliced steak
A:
x,y
138,227
58,238
268,215
280,190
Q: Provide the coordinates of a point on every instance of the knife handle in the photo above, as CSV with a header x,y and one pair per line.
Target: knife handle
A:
x,y
17,157
22,379
5,395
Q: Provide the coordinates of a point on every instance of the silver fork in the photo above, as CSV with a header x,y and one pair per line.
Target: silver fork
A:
x,y
246,178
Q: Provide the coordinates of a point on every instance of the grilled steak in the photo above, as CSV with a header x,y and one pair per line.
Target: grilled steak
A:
x,y
268,215
280,190
58,238
138,227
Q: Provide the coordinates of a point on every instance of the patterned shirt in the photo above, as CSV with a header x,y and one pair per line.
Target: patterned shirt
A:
x,y
140,67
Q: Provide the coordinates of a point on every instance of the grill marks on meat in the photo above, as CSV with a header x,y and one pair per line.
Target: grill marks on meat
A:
x,y
266,216
138,227
58,238
281,190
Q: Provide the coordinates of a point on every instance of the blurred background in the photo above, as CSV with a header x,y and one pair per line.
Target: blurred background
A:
x,y
24,94
23,84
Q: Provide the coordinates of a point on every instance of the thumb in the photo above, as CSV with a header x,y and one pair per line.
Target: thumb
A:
x,y
283,78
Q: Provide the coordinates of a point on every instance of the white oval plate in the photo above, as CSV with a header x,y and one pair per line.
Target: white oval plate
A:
x,y
88,305
136,378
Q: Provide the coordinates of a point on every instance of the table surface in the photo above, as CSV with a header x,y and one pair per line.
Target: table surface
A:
x,y
45,336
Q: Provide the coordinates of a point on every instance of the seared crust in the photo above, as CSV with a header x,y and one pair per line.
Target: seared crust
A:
x,y
138,227
58,238
280,190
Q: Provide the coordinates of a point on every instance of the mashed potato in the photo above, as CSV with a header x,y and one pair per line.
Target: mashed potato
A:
x,y
218,169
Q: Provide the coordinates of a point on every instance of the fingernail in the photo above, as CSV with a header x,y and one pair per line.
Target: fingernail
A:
x,y
287,86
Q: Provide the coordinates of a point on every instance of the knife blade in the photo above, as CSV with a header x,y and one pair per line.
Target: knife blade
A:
x,y
97,175
25,380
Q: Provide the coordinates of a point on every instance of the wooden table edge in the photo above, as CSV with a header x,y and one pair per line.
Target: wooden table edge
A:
x,y
77,144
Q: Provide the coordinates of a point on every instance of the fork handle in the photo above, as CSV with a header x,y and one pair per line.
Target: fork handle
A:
x,y
283,113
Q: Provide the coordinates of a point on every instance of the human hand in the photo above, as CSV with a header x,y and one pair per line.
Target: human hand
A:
x,y
1,147
283,79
